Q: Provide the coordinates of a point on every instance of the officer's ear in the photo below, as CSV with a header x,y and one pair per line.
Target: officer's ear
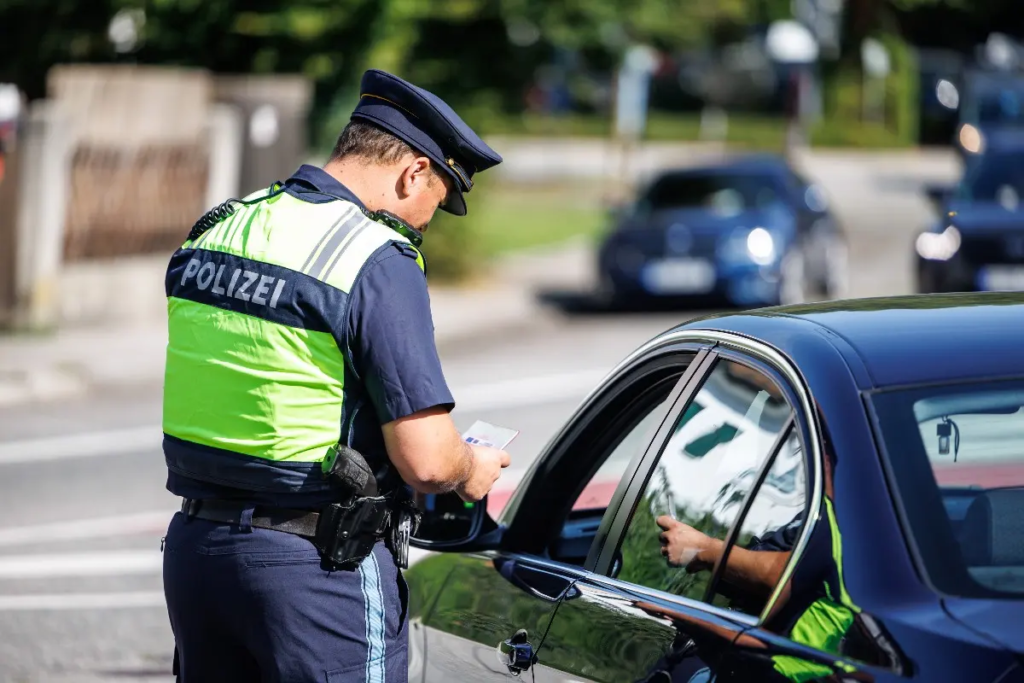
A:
x,y
417,176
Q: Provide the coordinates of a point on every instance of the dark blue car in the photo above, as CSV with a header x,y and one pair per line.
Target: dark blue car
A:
x,y
750,232
830,492
992,103
976,242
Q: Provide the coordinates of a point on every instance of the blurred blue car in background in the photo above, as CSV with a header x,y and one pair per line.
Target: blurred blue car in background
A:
x,y
748,231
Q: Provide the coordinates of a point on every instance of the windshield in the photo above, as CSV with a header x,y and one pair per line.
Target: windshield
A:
x,y
997,177
726,193
1002,106
957,453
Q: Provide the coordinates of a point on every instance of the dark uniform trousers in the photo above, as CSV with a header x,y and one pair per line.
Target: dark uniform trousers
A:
x,y
250,604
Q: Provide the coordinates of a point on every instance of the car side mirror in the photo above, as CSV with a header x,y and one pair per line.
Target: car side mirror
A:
x,y
447,521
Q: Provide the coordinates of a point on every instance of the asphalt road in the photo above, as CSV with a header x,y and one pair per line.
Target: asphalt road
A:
x,y
82,503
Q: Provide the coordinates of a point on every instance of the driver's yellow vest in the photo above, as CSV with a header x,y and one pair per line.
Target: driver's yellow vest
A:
x,y
254,390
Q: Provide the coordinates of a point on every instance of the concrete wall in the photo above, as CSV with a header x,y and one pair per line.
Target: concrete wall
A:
x,y
127,290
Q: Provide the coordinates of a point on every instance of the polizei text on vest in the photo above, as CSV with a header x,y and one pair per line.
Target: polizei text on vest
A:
x,y
247,285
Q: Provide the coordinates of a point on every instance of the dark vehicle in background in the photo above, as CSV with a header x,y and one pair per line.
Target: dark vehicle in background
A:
x,y
977,240
856,467
990,102
749,231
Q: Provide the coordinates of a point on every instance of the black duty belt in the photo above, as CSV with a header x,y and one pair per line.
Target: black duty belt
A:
x,y
344,534
298,522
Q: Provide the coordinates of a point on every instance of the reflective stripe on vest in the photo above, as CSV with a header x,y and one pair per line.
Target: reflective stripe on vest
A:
x,y
254,389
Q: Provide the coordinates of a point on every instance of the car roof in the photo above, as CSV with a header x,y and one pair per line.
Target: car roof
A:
x,y
767,163
901,340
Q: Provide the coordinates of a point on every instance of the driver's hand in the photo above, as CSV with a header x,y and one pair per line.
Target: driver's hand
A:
x,y
684,546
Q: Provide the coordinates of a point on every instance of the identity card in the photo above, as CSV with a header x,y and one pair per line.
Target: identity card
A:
x,y
485,434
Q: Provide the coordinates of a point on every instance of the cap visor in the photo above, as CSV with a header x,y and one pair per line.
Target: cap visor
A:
x,y
456,204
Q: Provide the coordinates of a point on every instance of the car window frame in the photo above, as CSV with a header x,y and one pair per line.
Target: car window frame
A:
x,y
611,529
776,445
735,347
520,517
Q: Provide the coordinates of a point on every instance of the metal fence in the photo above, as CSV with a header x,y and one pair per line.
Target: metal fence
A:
x,y
133,201
9,187
139,165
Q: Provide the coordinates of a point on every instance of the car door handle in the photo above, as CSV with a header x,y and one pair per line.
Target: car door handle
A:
x,y
516,653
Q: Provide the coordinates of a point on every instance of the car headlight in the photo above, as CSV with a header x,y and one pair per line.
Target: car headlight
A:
x,y
971,139
761,246
940,246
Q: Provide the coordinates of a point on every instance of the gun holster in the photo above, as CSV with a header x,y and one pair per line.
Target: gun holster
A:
x,y
347,532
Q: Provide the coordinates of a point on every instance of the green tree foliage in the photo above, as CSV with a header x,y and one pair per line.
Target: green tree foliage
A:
x,y
324,39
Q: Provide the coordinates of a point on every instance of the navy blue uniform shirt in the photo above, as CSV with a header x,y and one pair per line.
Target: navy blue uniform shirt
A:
x,y
393,368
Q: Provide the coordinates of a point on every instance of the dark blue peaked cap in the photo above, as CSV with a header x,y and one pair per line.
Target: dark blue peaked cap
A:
x,y
425,122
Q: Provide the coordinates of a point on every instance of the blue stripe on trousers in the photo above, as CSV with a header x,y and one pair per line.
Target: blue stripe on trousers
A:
x,y
374,601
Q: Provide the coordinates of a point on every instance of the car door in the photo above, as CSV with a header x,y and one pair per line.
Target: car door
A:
x,y
636,616
488,608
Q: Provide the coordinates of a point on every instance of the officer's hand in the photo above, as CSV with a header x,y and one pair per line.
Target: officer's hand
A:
x,y
487,465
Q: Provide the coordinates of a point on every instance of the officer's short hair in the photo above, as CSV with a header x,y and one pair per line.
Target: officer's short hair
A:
x,y
365,140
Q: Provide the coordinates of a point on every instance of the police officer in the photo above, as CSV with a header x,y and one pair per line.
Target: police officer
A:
x,y
300,337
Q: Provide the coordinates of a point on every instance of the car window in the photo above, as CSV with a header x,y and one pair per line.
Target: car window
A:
x,y
598,491
767,533
1002,106
957,453
705,470
599,460
722,193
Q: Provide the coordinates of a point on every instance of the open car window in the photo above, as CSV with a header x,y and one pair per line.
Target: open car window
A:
x,y
598,491
611,456
957,455
558,509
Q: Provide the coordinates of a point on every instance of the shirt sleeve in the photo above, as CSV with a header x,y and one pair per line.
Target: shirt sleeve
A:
x,y
391,337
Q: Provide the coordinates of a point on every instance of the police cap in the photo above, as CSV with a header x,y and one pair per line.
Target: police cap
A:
x,y
424,121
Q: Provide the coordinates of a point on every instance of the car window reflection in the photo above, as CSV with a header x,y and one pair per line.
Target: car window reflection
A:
x,y
705,471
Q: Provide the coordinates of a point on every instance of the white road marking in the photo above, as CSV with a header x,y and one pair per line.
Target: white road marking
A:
x,y
108,442
154,522
72,601
112,563
474,398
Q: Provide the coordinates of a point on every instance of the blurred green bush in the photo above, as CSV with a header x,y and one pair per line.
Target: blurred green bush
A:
x,y
745,131
505,217
451,248
845,122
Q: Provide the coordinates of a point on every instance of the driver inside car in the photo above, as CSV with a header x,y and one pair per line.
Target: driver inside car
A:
x,y
813,607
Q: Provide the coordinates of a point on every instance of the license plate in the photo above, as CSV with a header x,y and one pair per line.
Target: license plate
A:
x,y
679,276
1001,278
